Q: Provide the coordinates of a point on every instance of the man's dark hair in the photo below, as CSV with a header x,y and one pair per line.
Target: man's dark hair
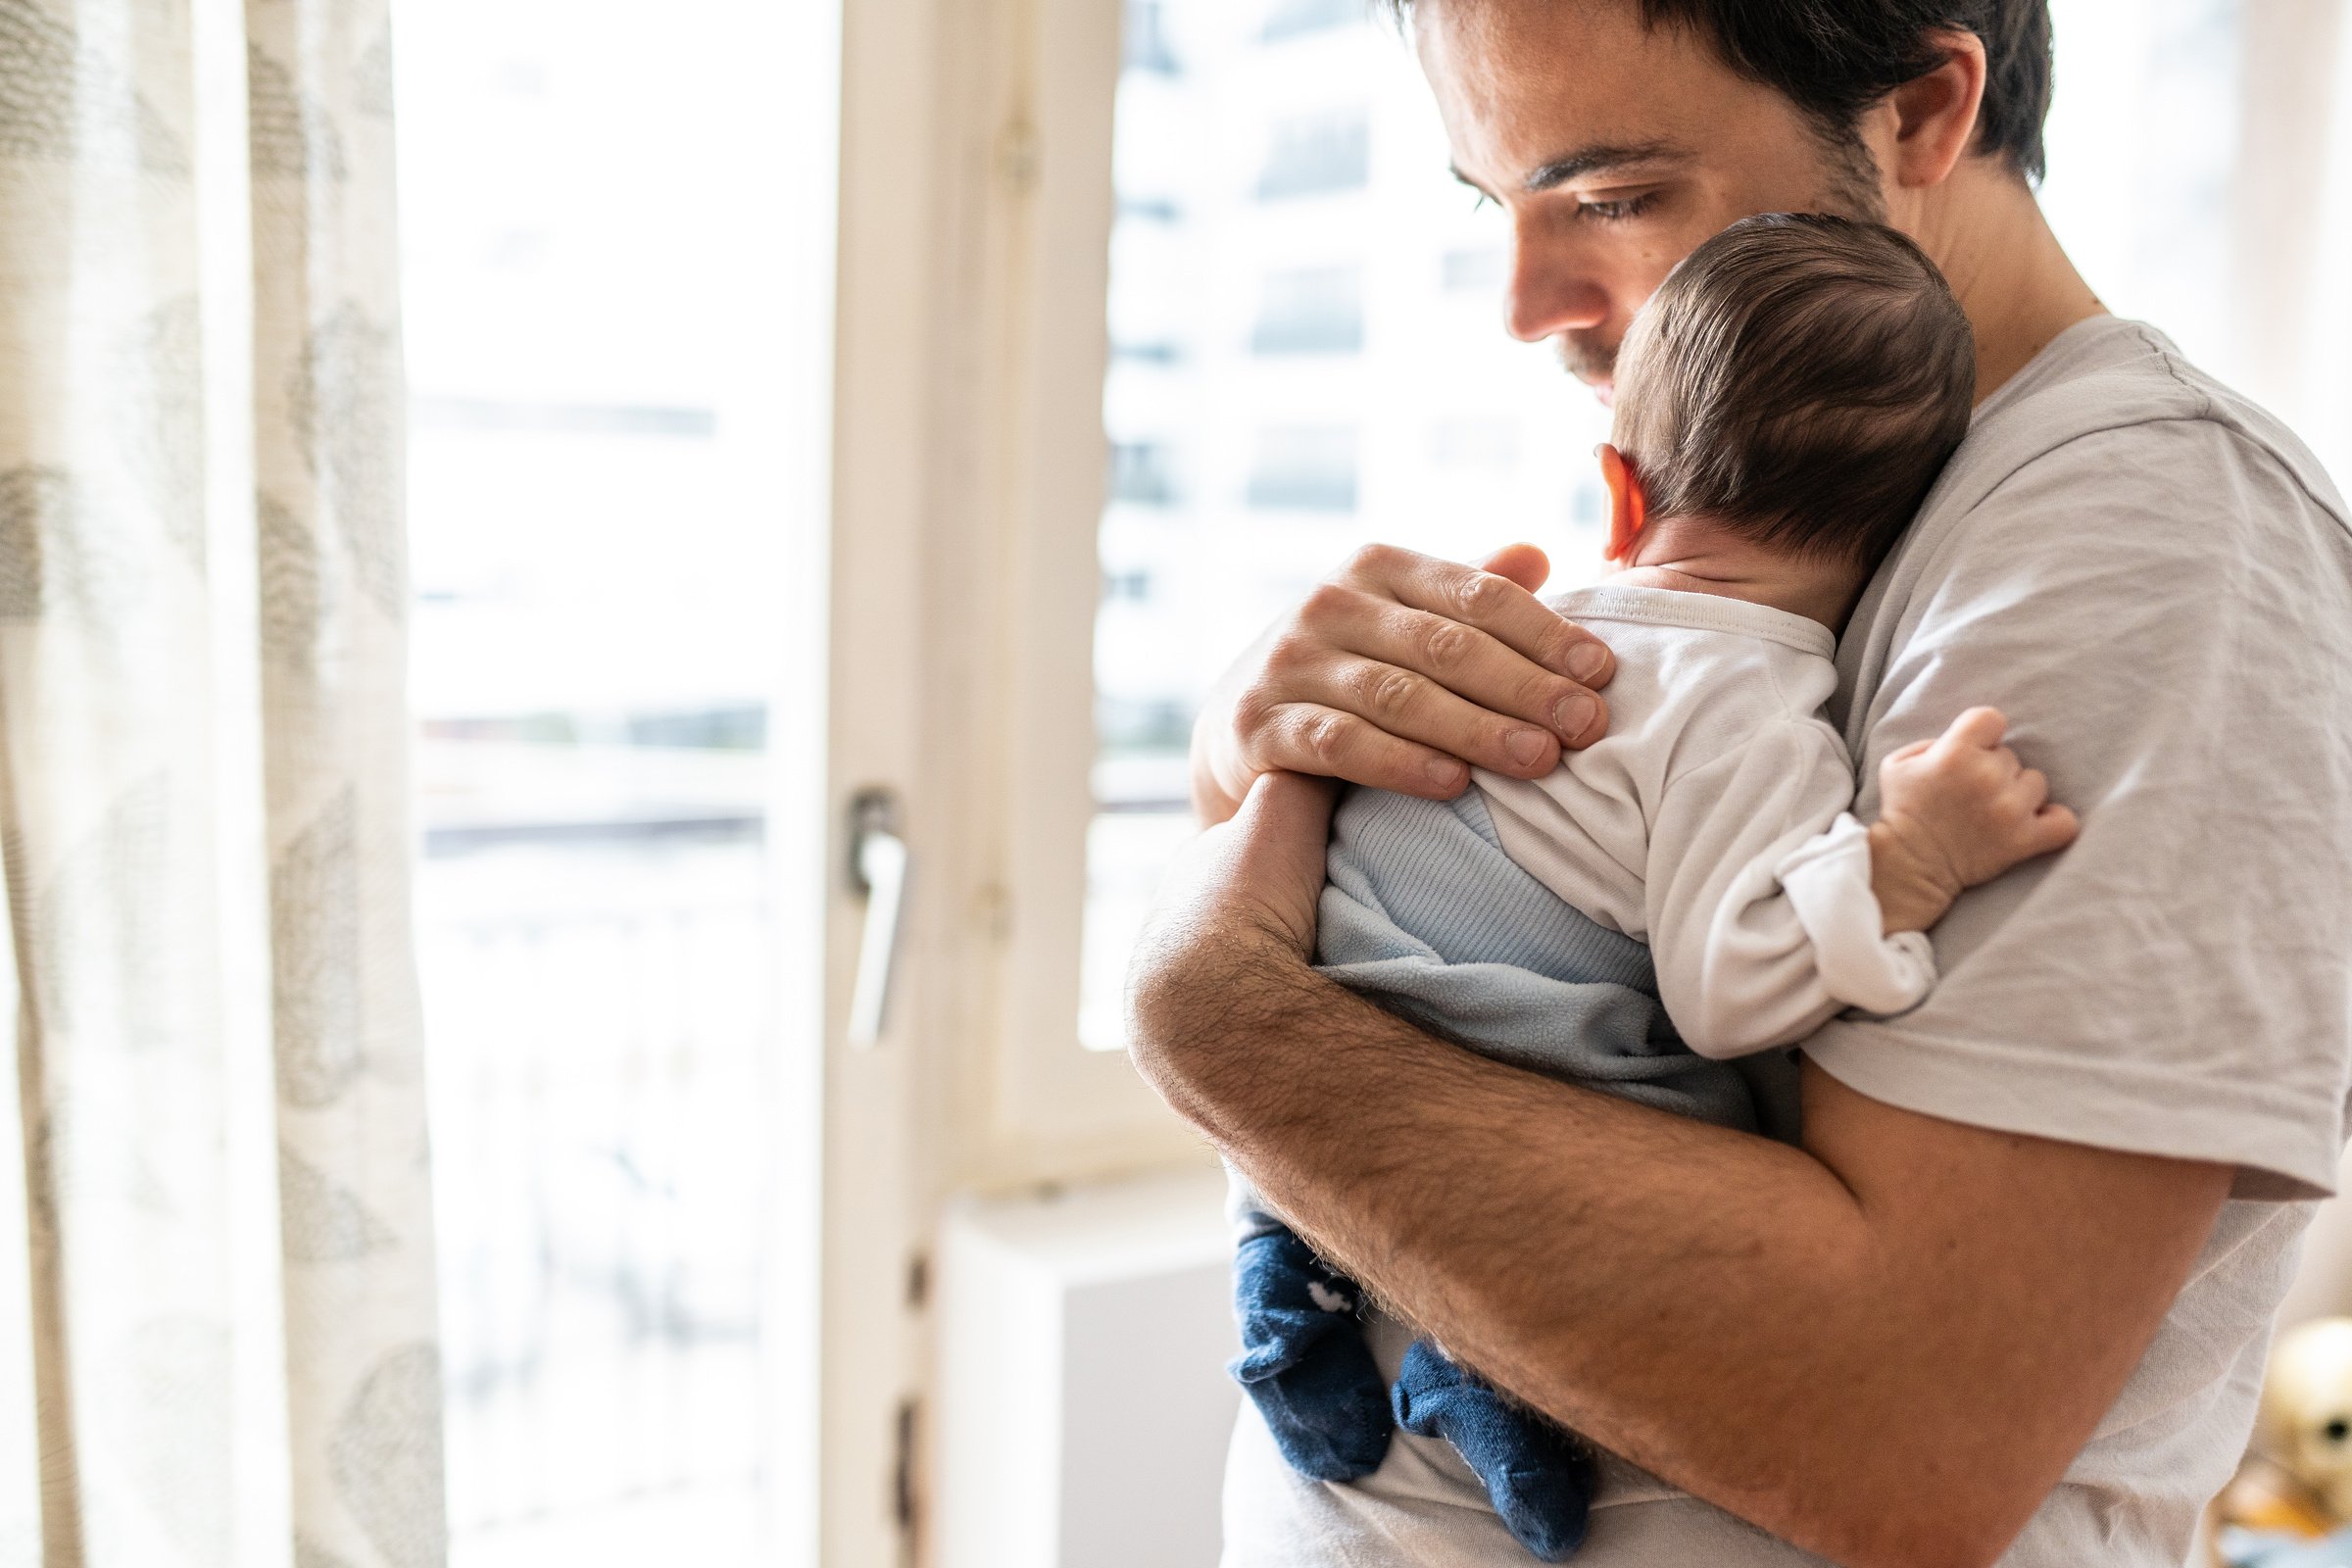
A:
x,y
1835,58
1800,379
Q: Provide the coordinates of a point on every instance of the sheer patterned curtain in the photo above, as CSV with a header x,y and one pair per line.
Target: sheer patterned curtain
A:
x,y
203,798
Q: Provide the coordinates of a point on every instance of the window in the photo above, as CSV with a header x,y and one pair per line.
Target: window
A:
x,y
1477,270
1315,312
1146,353
1143,472
1146,48
1316,155
1289,18
591,515
1127,587
1321,387
1490,446
1308,469
2143,151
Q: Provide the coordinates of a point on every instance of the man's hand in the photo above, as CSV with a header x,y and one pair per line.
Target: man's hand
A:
x,y
1400,672
1955,812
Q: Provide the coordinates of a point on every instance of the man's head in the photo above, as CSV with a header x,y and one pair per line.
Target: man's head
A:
x,y
1798,381
1617,134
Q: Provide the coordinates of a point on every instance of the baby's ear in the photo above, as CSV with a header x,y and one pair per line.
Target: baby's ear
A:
x,y
1629,504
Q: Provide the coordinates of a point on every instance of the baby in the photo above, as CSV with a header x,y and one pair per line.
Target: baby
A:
x,y
1784,402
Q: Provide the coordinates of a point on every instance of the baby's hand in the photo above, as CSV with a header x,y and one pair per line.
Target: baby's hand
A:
x,y
1956,812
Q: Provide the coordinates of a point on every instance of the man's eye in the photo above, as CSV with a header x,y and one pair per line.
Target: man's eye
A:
x,y
1616,212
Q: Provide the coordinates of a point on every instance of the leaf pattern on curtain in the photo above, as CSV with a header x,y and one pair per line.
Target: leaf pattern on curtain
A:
x,y
315,959
123,842
292,137
311,1554
345,401
323,1222
295,602
50,84
365,1404
387,1457
92,931
36,506
67,557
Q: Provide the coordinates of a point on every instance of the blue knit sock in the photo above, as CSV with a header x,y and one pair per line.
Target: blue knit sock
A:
x,y
1305,1363
1536,1475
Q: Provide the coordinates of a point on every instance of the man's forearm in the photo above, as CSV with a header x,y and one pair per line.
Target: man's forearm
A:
x,y
1603,1261
1765,1326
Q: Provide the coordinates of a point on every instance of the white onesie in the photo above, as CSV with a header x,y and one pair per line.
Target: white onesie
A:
x,y
1712,822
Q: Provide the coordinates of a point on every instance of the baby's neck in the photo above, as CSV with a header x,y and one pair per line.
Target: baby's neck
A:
x,y
1696,556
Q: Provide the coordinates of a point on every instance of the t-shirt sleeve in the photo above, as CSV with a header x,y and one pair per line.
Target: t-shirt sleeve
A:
x,y
1762,920
2165,615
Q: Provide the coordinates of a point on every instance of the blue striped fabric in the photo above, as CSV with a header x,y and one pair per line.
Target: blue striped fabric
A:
x,y
1424,915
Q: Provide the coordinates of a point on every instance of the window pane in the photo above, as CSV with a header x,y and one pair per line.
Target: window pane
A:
x,y
1315,154
1308,354
2143,140
1287,16
1316,310
585,275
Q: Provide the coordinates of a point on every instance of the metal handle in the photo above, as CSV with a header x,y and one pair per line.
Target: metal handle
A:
x,y
878,870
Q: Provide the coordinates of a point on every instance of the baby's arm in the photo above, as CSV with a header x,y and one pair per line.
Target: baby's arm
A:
x,y
1772,910
1953,812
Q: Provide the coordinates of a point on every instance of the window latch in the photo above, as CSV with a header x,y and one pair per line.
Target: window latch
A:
x,y
878,865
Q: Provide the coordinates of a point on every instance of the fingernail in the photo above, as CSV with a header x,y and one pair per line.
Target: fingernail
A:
x,y
1586,662
1445,772
1527,748
1575,713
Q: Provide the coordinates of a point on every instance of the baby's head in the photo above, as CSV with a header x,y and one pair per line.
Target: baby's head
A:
x,y
1797,381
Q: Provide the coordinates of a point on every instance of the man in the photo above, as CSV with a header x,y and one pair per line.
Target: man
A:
x,y
2010,1298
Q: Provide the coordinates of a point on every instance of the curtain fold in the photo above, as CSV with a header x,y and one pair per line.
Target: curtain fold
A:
x,y
116,825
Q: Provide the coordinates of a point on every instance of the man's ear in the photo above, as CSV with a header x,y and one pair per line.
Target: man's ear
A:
x,y
1934,118
1629,504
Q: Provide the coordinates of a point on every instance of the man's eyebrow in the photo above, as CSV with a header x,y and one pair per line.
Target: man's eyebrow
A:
x,y
1598,160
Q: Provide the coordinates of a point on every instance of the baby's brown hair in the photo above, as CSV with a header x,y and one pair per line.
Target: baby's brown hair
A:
x,y
1799,378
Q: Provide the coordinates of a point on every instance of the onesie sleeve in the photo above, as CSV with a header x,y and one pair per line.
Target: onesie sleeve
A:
x,y
1762,922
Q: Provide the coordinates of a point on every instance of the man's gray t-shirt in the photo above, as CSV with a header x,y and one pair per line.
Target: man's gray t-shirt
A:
x,y
2153,579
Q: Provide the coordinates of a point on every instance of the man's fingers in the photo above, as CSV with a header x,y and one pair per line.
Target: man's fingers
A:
x,y
1402,672
1282,829
1416,709
1264,864
1280,838
1487,676
1343,618
1489,602
1329,742
1523,564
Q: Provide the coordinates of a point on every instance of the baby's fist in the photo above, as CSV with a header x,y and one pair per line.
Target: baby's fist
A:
x,y
1956,812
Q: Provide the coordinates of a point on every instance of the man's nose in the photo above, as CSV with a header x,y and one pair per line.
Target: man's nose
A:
x,y
1551,291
